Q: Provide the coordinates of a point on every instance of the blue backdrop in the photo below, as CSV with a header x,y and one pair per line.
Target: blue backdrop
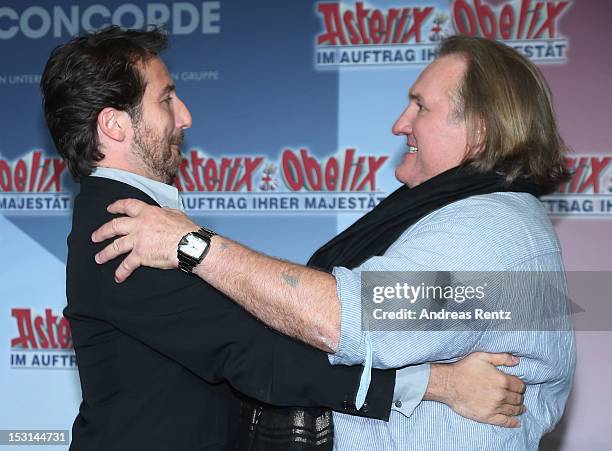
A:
x,y
290,143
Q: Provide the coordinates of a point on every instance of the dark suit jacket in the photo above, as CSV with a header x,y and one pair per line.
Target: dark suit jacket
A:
x,y
160,354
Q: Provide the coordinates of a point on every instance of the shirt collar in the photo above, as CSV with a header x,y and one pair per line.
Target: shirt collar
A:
x,y
165,195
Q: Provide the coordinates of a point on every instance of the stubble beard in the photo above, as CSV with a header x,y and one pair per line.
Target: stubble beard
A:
x,y
156,154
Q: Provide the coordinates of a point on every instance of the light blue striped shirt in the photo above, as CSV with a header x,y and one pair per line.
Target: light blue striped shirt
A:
x,y
494,232
162,193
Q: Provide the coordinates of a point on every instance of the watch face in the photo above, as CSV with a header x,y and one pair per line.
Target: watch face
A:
x,y
194,246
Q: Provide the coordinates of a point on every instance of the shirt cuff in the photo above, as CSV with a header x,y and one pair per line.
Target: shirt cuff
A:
x,y
351,344
410,385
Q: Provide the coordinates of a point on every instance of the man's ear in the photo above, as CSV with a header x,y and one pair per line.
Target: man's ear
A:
x,y
114,123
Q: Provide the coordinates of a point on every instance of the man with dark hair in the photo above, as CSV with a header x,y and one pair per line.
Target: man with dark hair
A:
x,y
89,74
482,143
156,364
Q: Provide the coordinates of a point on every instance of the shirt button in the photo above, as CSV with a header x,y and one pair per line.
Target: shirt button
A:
x,y
398,404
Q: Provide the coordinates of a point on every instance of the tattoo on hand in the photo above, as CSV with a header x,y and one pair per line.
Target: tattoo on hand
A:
x,y
291,277
224,246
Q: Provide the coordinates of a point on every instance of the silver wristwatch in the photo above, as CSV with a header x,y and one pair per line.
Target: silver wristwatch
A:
x,y
192,249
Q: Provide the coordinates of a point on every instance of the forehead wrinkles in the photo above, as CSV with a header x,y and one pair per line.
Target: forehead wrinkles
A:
x,y
154,71
442,83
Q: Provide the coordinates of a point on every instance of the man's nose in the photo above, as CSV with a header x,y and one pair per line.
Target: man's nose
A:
x,y
183,116
403,124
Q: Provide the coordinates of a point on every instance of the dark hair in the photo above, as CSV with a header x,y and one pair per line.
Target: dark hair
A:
x,y
86,75
509,112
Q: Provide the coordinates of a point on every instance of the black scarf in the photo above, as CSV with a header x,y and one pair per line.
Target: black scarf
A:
x,y
376,231
370,236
